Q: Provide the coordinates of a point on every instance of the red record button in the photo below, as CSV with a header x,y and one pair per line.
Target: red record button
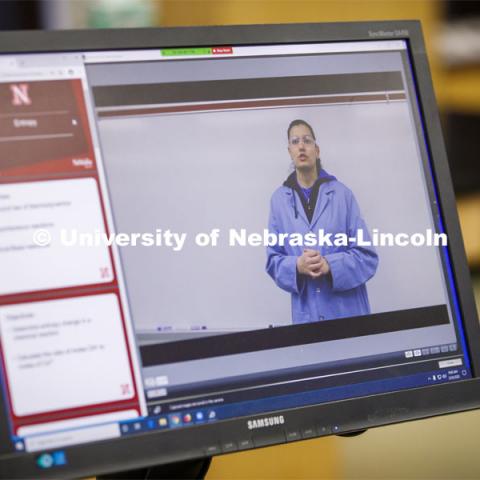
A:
x,y
222,50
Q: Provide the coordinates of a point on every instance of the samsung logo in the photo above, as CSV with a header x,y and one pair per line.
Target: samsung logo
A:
x,y
265,422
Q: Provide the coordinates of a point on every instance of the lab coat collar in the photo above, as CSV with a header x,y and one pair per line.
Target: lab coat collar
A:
x,y
325,189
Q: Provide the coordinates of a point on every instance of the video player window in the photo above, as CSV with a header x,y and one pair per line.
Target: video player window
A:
x,y
206,233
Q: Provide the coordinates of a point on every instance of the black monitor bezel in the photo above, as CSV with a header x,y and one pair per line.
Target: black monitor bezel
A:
x,y
346,415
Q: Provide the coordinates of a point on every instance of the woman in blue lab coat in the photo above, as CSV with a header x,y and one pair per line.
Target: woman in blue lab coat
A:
x,y
328,281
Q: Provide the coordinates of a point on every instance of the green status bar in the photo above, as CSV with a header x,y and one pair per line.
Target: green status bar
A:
x,y
177,52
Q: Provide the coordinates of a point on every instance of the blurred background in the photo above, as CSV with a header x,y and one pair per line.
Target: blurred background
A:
x,y
445,447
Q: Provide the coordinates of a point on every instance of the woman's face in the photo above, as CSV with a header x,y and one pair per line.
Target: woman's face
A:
x,y
302,147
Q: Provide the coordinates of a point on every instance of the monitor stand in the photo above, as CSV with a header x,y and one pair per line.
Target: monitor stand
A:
x,y
190,469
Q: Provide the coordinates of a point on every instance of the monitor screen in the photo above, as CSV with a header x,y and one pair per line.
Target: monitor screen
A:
x,y
199,234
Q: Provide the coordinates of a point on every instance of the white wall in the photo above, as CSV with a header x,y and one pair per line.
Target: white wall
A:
x,y
194,172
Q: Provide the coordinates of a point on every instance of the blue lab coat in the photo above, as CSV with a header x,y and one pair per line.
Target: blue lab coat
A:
x,y
342,293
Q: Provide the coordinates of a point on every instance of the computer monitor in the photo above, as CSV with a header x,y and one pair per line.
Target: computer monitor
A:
x,y
220,238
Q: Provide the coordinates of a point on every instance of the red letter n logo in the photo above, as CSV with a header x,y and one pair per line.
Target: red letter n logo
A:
x,y
20,94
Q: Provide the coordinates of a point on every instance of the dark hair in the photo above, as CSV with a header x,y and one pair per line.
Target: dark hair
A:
x,y
300,122
297,122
